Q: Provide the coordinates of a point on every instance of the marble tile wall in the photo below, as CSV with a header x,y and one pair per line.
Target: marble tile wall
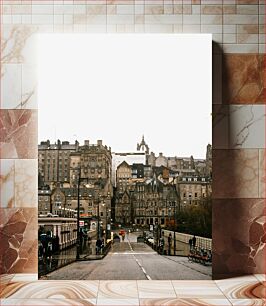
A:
x,y
238,28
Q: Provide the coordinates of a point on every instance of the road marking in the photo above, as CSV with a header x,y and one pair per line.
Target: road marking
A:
x,y
148,277
137,261
135,253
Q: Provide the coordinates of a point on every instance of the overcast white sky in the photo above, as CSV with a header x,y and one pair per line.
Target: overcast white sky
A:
x,y
117,87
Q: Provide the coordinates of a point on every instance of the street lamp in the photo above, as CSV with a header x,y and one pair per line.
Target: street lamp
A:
x,y
106,214
174,227
79,242
98,216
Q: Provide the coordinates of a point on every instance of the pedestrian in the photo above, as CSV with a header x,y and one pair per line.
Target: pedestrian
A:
x,y
98,246
169,243
194,241
57,242
190,244
161,241
49,245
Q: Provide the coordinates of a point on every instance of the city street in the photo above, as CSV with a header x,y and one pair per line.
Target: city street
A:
x,y
130,260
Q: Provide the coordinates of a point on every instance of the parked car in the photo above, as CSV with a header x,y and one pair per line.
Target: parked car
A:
x,y
140,239
116,238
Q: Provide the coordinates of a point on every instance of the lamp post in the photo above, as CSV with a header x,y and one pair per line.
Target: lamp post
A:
x,y
131,208
106,214
78,219
98,216
174,227
79,242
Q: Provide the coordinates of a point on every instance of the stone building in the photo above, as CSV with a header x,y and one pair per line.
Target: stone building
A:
x,y
193,190
53,162
123,213
161,161
123,176
44,201
129,157
93,165
62,167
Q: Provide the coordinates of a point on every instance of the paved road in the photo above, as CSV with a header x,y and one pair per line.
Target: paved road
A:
x,y
131,260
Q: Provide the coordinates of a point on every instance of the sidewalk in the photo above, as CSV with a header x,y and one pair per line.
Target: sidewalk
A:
x,y
66,257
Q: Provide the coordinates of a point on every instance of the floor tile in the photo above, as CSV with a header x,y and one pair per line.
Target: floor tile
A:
x,y
260,277
52,290
5,278
154,289
48,302
117,290
242,288
184,302
25,277
117,302
197,289
248,302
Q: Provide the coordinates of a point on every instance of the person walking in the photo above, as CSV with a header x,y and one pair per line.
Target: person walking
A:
x,y
169,243
98,246
194,240
190,244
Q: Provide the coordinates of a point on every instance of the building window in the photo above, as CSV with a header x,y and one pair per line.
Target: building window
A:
x,y
196,194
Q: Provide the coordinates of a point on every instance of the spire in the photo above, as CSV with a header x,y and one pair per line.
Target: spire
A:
x,y
143,146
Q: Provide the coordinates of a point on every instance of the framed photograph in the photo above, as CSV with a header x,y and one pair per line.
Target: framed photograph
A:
x,y
124,156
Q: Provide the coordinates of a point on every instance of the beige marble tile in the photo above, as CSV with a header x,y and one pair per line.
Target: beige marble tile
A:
x,y
246,287
262,177
52,290
118,290
117,302
29,86
25,277
183,302
18,44
195,289
260,277
156,289
26,181
247,126
10,85
248,302
48,302
4,280
7,183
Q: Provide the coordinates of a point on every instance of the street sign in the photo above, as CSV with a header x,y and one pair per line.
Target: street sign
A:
x,y
81,223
